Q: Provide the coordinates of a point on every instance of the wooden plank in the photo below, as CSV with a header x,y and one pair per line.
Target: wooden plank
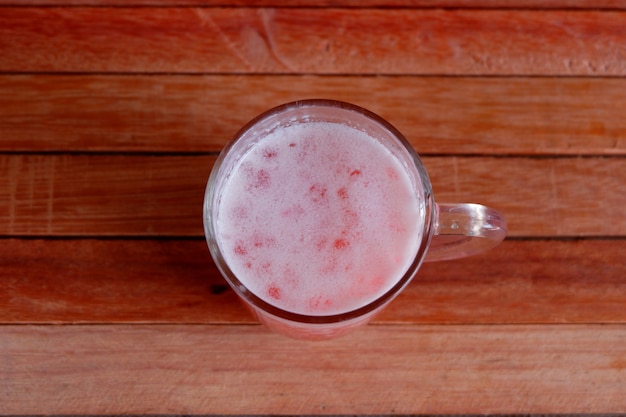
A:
x,y
408,369
103,195
295,41
175,281
113,281
441,115
136,195
530,281
477,4
539,197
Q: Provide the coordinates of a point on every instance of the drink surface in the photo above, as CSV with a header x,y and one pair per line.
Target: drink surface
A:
x,y
318,218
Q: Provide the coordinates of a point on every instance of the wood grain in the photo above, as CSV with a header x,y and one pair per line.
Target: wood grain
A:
x,y
440,115
103,195
478,4
296,41
402,369
136,195
175,281
111,116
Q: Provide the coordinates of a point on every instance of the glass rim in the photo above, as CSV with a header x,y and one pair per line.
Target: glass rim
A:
x,y
364,310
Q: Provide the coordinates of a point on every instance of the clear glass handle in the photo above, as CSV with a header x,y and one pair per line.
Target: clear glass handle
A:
x,y
464,230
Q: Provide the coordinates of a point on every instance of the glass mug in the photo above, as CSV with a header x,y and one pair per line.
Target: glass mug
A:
x,y
319,212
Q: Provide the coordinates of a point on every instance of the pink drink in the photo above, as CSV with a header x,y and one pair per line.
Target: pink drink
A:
x,y
319,212
319,219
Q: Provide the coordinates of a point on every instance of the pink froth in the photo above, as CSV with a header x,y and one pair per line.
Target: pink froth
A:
x,y
319,218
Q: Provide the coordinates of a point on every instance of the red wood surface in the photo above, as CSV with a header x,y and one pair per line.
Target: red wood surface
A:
x,y
478,4
137,195
402,369
296,41
112,114
175,281
439,115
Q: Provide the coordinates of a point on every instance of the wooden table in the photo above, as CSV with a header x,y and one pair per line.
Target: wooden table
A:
x,y
112,113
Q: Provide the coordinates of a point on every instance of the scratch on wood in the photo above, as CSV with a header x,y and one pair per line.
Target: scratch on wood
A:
x,y
580,42
205,18
266,18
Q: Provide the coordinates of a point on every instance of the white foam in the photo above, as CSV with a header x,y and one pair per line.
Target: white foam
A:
x,y
319,218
